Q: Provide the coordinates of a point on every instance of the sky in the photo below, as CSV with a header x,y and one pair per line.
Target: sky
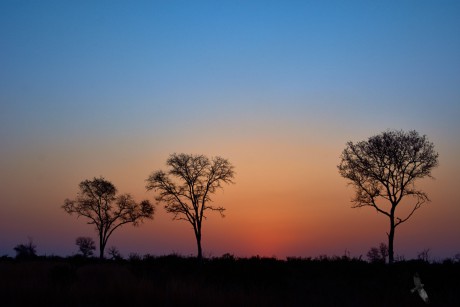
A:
x,y
112,88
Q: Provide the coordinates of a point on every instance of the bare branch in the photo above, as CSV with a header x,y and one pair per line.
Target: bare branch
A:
x,y
421,199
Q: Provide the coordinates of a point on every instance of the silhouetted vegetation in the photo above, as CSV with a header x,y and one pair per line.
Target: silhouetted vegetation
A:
x,y
98,202
383,171
424,255
86,246
188,200
380,254
226,281
114,253
26,251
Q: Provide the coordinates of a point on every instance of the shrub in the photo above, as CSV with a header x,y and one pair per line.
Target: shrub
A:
x,y
26,251
86,246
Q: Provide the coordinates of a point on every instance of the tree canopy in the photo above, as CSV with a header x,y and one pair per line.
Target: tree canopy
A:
x,y
97,201
385,168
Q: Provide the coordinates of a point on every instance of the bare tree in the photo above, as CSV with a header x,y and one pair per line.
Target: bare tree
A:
x,y
86,245
383,171
188,198
97,201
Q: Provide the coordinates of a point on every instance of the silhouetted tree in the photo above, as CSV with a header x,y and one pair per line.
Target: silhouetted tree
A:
x,y
114,253
26,251
197,178
379,254
424,255
383,171
86,245
373,255
98,202
383,248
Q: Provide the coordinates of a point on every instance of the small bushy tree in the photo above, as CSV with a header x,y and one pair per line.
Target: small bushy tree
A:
x,y
99,203
86,245
377,255
26,251
424,255
114,253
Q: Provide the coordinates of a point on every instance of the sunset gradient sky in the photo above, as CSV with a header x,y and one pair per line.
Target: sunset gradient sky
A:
x,y
111,88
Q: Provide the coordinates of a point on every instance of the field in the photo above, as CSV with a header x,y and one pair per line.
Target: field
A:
x,y
226,281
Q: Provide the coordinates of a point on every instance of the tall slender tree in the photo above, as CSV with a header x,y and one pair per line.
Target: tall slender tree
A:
x,y
97,201
383,171
186,188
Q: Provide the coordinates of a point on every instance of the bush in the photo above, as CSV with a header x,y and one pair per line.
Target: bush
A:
x,y
86,246
26,251
378,255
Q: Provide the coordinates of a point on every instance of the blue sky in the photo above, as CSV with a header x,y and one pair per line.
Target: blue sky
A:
x,y
93,85
67,57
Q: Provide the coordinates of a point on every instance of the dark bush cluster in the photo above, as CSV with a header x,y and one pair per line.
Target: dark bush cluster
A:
x,y
225,281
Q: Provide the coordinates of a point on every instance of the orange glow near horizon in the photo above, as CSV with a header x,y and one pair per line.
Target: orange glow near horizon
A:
x,y
287,200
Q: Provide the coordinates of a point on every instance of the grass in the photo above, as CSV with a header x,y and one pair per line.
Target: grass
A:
x,y
226,281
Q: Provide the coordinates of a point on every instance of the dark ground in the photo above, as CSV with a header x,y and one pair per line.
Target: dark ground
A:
x,y
226,281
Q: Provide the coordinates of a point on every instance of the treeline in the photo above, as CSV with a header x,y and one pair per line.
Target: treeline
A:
x,y
173,280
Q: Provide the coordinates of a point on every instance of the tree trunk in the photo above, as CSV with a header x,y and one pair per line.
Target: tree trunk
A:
x,y
198,243
391,236
101,252
101,246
